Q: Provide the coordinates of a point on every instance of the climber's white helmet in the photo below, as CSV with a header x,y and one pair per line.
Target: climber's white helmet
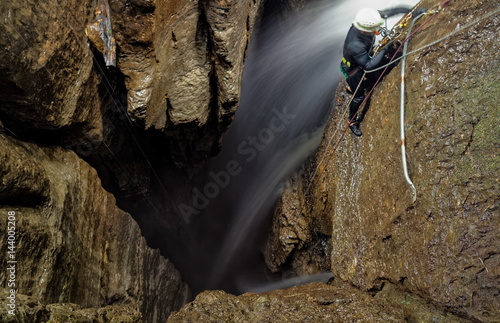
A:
x,y
368,19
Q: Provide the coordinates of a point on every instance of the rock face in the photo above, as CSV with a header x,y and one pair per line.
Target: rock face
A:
x,y
70,126
444,247
72,244
182,62
311,303
435,260
299,243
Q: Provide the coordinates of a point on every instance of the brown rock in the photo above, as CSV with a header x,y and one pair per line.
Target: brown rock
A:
x,y
444,247
179,68
29,310
299,243
47,66
166,107
183,59
310,303
72,244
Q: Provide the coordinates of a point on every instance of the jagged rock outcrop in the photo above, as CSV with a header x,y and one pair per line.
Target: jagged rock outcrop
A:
x,y
444,247
72,244
144,126
310,303
299,242
179,66
183,62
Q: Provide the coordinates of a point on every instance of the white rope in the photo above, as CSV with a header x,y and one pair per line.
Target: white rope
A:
x,y
402,91
402,118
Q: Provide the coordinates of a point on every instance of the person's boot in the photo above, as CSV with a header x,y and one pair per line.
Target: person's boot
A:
x,y
355,129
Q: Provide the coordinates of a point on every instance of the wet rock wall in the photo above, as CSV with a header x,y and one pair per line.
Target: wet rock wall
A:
x,y
74,130
444,247
72,244
350,211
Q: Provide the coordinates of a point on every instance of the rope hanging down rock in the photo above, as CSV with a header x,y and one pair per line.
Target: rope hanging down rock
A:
x,y
458,30
392,60
402,117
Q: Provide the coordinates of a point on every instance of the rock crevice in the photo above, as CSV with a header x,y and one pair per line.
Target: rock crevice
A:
x,y
435,260
74,130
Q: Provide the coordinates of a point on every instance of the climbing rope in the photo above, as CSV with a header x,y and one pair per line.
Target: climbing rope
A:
x,y
402,94
392,61
402,117
385,67
456,31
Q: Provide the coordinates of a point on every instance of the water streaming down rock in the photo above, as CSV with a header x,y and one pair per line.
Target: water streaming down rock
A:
x,y
435,260
289,80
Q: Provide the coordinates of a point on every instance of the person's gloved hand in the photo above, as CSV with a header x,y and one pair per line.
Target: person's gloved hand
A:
x,y
419,11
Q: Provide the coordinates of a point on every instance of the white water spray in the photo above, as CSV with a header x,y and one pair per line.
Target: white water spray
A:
x,y
290,77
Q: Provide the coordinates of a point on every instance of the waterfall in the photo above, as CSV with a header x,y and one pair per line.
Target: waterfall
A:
x,y
291,73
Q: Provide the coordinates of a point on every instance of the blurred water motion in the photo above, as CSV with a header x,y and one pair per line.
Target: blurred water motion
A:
x,y
290,76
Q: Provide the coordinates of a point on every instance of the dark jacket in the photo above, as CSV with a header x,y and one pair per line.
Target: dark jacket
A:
x,y
357,50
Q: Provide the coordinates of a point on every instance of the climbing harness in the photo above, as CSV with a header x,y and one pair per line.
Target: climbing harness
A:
x,y
346,62
351,72
344,72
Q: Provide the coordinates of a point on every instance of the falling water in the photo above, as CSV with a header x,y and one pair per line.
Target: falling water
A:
x,y
288,84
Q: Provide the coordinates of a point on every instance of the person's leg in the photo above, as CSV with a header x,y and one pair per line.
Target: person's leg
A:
x,y
359,94
368,83
354,107
361,113
353,116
